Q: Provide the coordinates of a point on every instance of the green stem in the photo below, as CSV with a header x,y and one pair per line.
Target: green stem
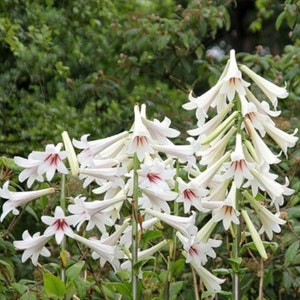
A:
x,y
235,252
134,250
62,201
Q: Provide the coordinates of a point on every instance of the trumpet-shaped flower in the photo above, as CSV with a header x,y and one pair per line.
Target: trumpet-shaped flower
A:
x,y
141,139
16,199
159,131
51,160
184,153
95,212
238,168
127,265
204,178
265,181
155,175
215,149
198,250
126,238
59,225
31,170
232,82
157,199
102,175
262,151
281,138
227,212
79,209
270,222
185,225
207,128
202,103
211,282
101,250
271,90
34,246
91,149
190,194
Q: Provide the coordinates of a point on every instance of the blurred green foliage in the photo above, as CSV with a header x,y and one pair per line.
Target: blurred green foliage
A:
x,y
81,65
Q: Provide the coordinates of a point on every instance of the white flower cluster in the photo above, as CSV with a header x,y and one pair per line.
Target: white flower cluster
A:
x,y
232,156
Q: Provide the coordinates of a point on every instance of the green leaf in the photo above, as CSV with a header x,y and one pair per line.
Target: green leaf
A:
x,y
163,41
235,263
175,288
279,20
123,288
291,253
53,285
211,293
73,271
177,266
150,235
287,281
28,296
19,287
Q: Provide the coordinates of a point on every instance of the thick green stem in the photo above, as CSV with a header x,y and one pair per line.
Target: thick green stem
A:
x,y
235,252
135,246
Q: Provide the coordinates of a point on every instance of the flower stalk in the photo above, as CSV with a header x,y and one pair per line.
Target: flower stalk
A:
x,y
63,243
134,224
236,250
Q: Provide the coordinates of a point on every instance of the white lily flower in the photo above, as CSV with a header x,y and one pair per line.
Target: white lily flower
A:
x,y
102,175
126,238
215,149
279,200
34,246
262,107
271,90
79,210
159,131
265,180
183,152
232,82
204,178
94,211
101,250
207,128
270,222
90,149
157,199
30,171
190,194
51,160
262,151
227,212
198,250
141,139
238,168
251,111
155,174
185,225
16,199
127,265
59,225
281,138
210,281
203,102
